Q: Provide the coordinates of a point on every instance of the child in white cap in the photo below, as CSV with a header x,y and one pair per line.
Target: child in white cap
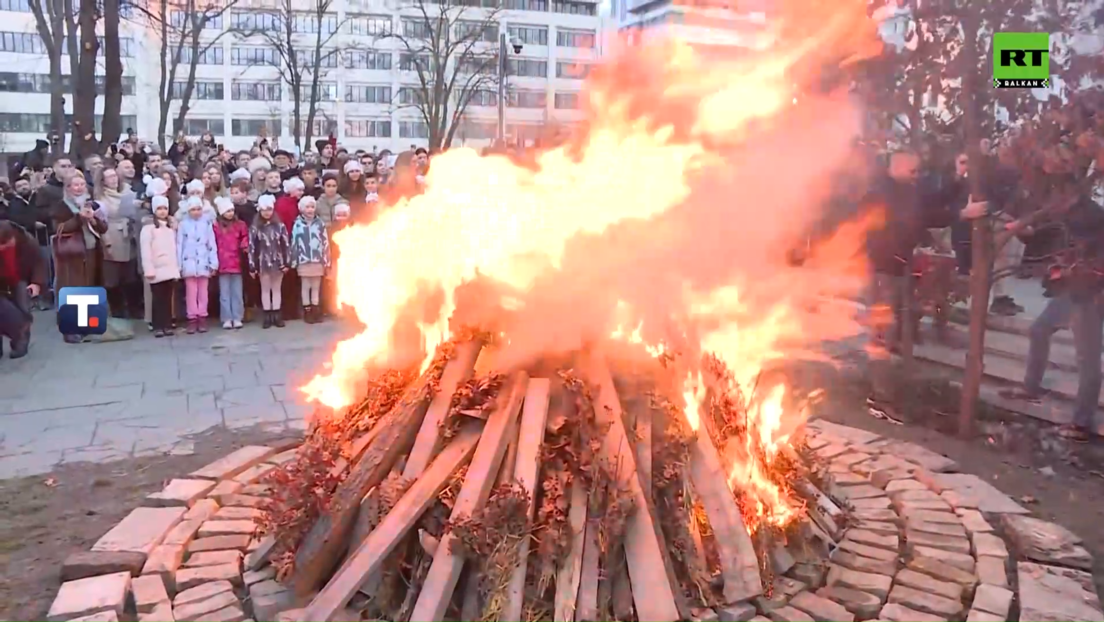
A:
x,y
310,257
232,240
160,265
268,258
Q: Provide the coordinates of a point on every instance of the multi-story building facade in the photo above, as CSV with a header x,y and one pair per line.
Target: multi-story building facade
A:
x,y
701,22
366,87
25,79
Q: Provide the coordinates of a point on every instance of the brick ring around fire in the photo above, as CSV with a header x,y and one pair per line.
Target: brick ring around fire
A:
x,y
908,539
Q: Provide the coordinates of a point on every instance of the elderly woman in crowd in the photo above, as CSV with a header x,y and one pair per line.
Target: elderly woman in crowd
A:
x,y
80,224
119,242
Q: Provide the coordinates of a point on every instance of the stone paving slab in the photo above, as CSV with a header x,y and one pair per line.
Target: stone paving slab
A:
x,y
145,396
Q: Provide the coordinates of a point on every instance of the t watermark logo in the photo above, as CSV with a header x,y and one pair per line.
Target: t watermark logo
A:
x,y
1021,60
82,311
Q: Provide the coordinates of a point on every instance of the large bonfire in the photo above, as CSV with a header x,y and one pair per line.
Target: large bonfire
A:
x,y
657,239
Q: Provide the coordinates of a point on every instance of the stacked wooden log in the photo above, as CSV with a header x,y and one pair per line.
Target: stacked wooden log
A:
x,y
530,495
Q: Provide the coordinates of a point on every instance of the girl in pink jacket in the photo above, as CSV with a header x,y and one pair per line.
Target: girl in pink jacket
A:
x,y
160,264
232,239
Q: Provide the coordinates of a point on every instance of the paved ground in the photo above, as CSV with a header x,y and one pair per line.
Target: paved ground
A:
x,y
102,402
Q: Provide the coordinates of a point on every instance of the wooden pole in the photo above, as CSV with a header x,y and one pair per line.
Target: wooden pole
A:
x,y
444,572
534,416
392,436
908,315
980,237
371,554
650,573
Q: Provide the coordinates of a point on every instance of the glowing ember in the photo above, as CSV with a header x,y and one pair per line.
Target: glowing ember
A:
x,y
671,215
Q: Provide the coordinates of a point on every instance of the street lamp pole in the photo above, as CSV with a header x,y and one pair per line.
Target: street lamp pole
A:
x,y
502,67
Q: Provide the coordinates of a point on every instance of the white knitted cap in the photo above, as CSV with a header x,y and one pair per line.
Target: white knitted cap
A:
x,y
223,205
305,201
160,201
293,184
266,201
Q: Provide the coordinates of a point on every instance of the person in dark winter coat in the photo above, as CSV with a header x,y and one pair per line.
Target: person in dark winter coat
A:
x,y
908,213
1076,291
22,277
33,160
246,211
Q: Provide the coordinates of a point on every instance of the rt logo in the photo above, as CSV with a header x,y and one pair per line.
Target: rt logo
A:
x,y
82,311
1021,60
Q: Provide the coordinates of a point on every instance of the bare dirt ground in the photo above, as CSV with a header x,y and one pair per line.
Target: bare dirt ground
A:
x,y
1024,458
44,518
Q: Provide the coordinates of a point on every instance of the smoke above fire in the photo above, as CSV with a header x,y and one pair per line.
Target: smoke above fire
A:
x,y
666,221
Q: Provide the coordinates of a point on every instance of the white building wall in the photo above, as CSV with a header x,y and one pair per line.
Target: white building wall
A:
x,y
347,118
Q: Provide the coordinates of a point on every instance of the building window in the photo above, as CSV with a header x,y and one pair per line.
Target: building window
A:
x,y
31,43
577,71
254,127
472,64
255,91
523,131
416,29
414,62
40,83
526,5
528,99
486,99
413,129
567,101
305,59
527,68
367,94
367,59
39,123
575,38
477,31
322,126
532,35
18,6
574,8
327,91
211,56
476,130
200,90
412,95
180,20
309,23
198,127
367,128
255,20
21,43
250,56
370,25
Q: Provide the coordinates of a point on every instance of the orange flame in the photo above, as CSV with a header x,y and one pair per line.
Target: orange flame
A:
x,y
665,225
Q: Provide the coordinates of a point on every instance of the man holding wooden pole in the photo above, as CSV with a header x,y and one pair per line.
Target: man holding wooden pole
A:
x,y
908,215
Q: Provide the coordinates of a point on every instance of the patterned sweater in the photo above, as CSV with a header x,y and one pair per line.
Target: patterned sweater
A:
x,y
268,245
309,242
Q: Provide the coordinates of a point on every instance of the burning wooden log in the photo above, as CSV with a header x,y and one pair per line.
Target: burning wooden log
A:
x,y
395,525
526,470
650,571
446,567
391,437
545,499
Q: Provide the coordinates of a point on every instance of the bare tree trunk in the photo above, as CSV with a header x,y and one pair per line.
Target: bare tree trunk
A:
x,y
111,127
189,86
69,17
84,83
50,23
980,237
